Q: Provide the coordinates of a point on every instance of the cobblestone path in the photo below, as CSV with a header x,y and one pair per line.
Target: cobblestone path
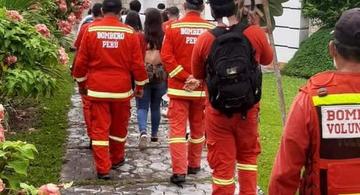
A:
x,y
146,172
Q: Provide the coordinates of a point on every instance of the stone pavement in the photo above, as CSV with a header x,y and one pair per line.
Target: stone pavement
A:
x,y
145,173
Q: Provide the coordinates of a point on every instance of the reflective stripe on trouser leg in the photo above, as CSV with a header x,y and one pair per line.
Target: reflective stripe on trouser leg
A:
x,y
118,130
178,115
247,174
197,132
222,186
100,123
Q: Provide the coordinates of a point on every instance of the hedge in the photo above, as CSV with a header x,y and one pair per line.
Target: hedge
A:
x,y
312,56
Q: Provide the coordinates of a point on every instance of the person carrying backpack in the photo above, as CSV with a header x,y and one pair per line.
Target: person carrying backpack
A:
x,y
319,152
228,59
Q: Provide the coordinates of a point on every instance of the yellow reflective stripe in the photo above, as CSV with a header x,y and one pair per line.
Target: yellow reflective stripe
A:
x,y
97,94
81,79
140,83
99,143
177,140
193,25
183,93
246,167
223,182
110,29
333,99
351,194
118,139
197,141
176,71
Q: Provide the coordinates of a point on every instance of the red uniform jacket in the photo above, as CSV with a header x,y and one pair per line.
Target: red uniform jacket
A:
x,y
179,42
109,54
310,140
167,24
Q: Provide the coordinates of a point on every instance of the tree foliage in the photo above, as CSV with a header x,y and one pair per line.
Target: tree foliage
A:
x,y
327,12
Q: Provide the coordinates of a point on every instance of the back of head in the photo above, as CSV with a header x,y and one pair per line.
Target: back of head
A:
x,y
222,8
112,6
133,20
135,5
173,11
194,5
96,10
347,35
161,6
153,27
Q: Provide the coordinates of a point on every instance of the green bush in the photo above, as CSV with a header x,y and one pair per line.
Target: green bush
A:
x,y
327,12
312,56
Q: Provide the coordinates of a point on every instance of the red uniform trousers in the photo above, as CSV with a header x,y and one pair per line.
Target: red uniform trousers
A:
x,y
185,155
232,141
109,123
87,114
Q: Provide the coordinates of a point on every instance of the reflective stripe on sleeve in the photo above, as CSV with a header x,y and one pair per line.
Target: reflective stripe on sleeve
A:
x,y
246,167
197,141
81,79
183,93
177,140
99,143
97,94
141,83
333,99
118,139
223,182
176,71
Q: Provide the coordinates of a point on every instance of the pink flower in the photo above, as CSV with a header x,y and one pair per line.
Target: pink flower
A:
x,y
63,6
43,30
63,56
49,189
86,4
65,27
2,185
9,60
14,16
72,18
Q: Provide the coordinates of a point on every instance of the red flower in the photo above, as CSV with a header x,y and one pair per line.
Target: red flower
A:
x,y
14,16
65,27
43,30
9,60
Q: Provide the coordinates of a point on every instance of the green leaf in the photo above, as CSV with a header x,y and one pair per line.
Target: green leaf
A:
x,y
19,166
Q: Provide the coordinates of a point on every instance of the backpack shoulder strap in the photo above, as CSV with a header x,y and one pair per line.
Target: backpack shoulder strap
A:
x,y
239,27
218,31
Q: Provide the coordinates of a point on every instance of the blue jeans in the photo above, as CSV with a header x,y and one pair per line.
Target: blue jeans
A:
x,y
153,93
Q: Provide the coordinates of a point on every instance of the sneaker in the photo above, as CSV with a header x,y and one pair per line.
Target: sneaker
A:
x,y
154,139
193,171
103,176
177,179
143,141
118,165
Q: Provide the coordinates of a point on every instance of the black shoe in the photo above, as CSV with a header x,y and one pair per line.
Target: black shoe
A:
x,y
154,139
103,176
193,171
118,165
177,179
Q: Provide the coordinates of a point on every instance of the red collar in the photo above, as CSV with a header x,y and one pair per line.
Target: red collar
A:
x,y
192,14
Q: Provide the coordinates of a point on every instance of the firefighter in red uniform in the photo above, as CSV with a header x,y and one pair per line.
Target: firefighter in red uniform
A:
x,y
97,15
231,140
173,14
109,54
322,132
184,106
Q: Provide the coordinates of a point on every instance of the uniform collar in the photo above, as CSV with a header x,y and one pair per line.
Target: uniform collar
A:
x,y
192,14
114,18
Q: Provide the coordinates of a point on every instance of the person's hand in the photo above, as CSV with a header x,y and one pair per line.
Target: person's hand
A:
x,y
82,88
191,84
139,92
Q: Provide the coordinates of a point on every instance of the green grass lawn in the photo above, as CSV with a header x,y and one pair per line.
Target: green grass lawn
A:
x,y
271,121
50,134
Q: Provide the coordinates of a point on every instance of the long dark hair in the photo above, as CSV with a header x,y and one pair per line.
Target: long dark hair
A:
x,y
154,33
133,20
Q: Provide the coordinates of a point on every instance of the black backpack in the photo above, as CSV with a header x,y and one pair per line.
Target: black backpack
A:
x,y
234,78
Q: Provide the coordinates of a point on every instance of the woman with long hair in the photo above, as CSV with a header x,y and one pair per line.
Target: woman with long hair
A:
x,y
156,88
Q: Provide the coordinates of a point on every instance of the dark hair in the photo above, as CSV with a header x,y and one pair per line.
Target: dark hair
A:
x,y
348,52
135,5
173,11
165,16
112,6
226,10
96,9
190,6
154,33
89,12
133,20
161,6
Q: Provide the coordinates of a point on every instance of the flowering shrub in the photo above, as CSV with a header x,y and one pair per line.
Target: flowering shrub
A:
x,y
43,30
